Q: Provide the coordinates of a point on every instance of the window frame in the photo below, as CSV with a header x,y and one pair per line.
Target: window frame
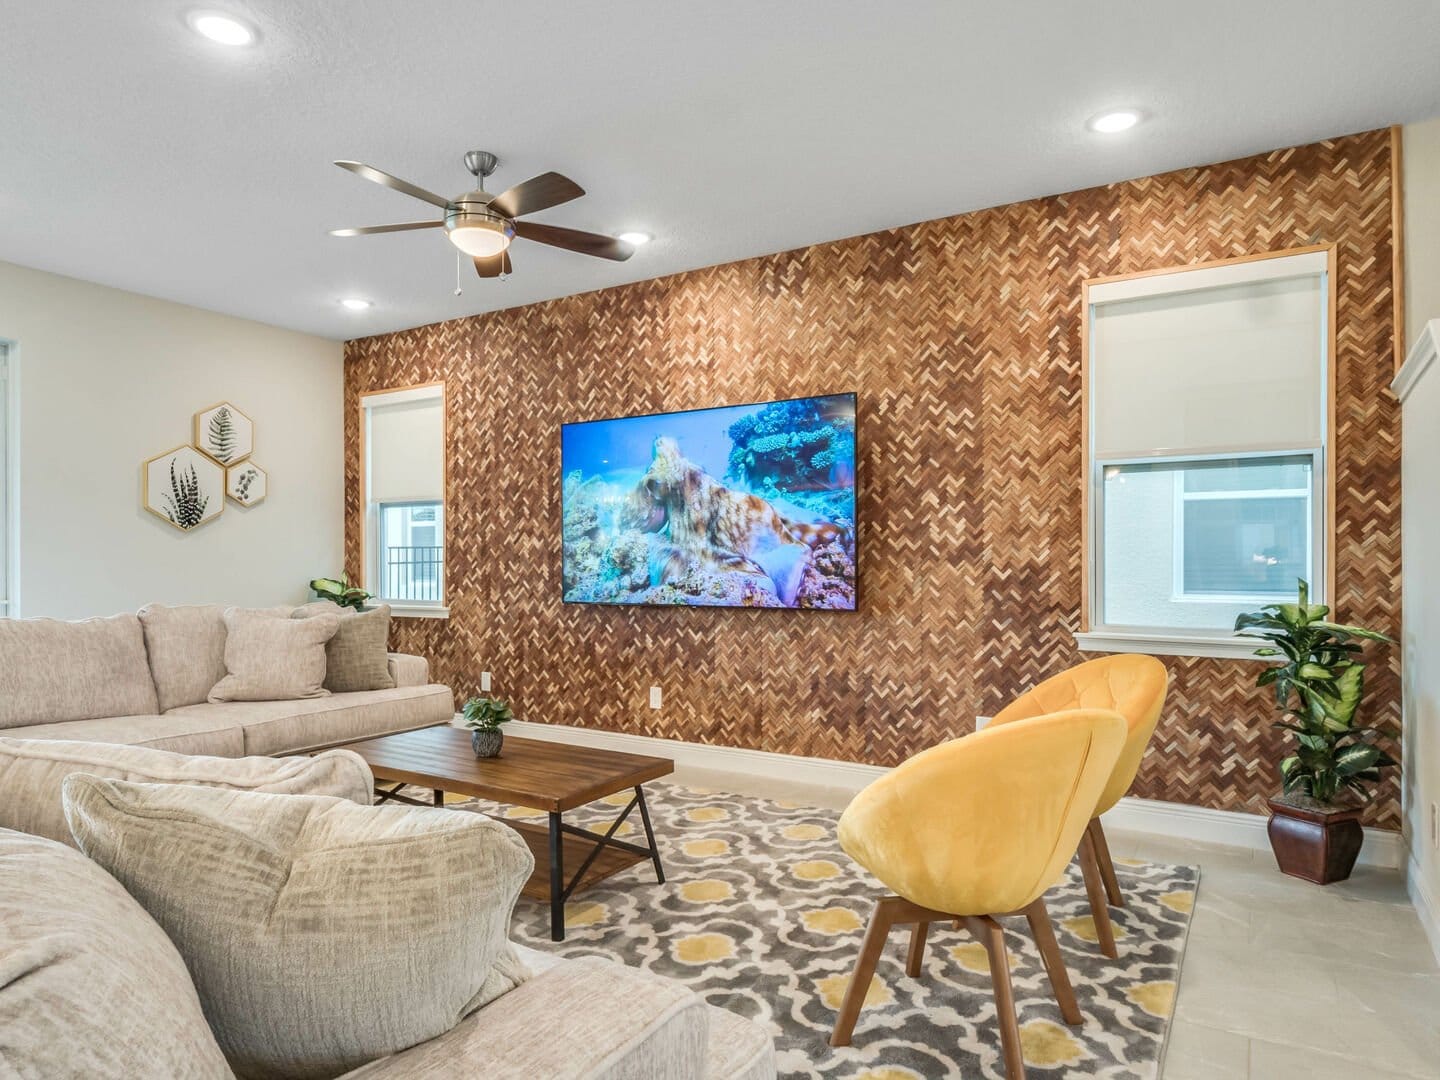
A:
x,y
1096,636
372,576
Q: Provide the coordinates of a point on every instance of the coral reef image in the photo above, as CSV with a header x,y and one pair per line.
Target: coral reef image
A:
x,y
745,506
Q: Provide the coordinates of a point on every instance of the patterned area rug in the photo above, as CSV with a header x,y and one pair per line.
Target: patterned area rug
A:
x,y
762,913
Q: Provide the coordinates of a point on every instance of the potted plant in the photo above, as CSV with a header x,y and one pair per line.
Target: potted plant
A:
x,y
483,716
340,591
1318,682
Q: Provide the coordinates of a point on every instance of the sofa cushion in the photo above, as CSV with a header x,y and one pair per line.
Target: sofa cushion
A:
x,y
206,733
32,771
357,657
186,649
269,659
52,670
89,985
407,670
615,1023
320,934
292,727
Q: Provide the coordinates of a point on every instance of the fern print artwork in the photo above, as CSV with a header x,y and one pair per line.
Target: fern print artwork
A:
x,y
224,433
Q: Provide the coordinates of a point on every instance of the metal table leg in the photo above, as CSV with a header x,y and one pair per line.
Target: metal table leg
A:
x,y
557,879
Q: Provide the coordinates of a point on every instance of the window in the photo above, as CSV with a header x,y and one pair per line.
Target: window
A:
x,y
405,498
8,449
1207,416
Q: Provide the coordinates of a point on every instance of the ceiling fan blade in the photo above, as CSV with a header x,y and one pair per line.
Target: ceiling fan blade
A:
x,y
538,193
367,230
586,243
393,182
493,266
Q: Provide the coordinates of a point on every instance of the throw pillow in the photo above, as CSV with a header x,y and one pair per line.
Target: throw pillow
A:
x,y
358,656
89,985
269,659
186,648
32,770
320,934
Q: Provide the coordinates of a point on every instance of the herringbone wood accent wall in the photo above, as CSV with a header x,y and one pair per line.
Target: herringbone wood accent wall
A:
x,y
962,338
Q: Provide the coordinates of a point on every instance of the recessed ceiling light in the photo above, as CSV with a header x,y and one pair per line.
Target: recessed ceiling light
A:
x,y
1110,123
223,29
355,303
636,238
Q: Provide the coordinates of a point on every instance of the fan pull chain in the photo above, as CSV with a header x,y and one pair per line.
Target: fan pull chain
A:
x,y
458,290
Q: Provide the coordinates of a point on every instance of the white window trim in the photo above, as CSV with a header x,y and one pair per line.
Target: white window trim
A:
x,y
10,520
1170,641
402,609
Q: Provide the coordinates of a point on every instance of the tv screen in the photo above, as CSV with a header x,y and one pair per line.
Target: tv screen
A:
x,y
742,506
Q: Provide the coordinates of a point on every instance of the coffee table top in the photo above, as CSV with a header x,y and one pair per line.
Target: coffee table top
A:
x,y
537,773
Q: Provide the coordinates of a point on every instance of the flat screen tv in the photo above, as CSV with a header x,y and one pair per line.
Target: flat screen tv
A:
x,y
741,506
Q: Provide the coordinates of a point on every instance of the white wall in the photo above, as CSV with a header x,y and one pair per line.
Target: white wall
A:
x,y
1420,511
110,378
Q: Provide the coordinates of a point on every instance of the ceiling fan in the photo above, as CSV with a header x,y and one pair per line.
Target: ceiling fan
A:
x,y
482,225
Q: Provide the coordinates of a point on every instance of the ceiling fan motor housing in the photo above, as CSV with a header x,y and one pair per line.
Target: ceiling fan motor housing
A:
x,y
471,211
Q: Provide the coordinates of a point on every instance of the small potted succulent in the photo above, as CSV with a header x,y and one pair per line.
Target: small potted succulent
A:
x,y
1318,681
483,716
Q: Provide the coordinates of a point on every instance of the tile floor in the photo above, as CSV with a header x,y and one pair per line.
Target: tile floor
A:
x,y
1282,979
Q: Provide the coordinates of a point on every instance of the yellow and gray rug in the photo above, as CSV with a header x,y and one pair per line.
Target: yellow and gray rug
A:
x,y
762,913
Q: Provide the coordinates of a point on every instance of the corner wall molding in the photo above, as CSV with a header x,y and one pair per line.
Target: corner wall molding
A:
x,y
1426,906
1382,848
1420,360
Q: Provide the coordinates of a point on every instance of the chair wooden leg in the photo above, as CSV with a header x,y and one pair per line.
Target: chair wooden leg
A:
x,y
1095,889
881,919
992,935
1039,919
917,949
1107,867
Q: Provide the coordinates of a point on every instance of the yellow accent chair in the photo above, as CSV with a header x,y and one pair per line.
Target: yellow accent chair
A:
x,y
976,828
1134,686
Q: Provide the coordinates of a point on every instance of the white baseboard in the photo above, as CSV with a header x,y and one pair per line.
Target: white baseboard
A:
x,y
1173,820
1426,906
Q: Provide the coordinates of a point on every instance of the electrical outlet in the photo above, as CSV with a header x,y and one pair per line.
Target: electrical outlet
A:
x,y
484,682
981,721
1435,826
654,697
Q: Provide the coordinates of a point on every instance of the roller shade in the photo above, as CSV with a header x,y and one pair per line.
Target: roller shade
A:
x,y
405,445
1210,361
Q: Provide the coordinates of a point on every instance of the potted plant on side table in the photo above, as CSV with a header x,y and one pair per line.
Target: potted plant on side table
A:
x,y
483,716
1318,682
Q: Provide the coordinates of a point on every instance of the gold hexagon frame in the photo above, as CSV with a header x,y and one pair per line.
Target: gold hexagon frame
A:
x,y
182,503
224,433
247,492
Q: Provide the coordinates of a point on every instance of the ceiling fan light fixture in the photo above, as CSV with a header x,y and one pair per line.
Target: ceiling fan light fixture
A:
x,y
481,238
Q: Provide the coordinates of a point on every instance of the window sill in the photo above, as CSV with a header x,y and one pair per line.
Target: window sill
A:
x,y
1231,648
416,611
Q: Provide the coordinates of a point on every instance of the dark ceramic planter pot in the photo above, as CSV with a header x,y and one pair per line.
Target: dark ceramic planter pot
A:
x,y
487,743
1314,844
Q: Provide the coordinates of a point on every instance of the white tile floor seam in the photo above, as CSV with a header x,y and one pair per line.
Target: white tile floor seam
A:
x,y
1281,979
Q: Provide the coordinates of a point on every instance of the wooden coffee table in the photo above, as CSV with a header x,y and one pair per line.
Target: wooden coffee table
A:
x,y
550,776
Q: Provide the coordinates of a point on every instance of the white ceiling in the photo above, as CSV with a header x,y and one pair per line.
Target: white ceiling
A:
x,y
136,154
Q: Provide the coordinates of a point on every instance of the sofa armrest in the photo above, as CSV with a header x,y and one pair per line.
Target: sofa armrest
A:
x,y
409,670
585,1019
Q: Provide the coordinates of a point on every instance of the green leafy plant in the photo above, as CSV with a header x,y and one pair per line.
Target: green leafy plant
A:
x,y
1318,686
221,435
340,591
486,714
184,505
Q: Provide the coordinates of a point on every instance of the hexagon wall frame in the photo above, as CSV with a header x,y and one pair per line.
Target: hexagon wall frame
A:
x,y
247,484
224,433
183,487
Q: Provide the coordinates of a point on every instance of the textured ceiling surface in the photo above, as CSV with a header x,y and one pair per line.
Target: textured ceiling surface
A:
x,y
141,156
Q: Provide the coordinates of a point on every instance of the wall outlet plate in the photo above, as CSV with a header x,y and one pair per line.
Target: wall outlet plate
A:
x,y
484,682
654,697
981,721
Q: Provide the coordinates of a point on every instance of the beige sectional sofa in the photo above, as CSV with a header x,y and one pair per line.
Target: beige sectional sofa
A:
x,y
141,678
